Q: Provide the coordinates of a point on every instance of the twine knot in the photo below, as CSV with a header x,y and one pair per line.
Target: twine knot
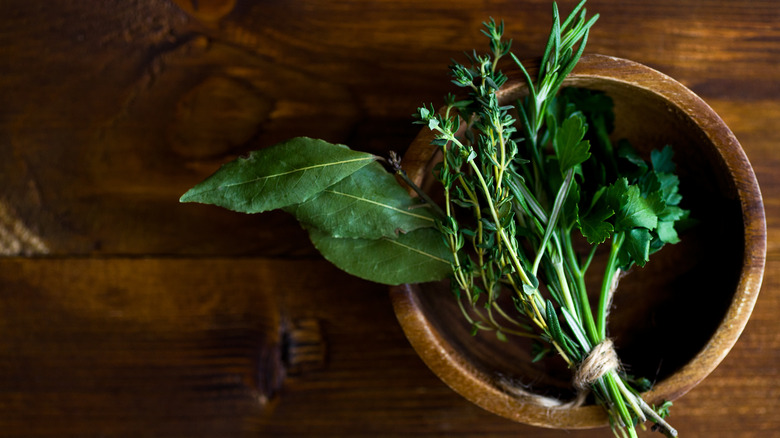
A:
x,y
601,360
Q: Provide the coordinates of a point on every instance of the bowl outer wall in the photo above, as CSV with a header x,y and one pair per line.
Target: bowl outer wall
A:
x,y
479,388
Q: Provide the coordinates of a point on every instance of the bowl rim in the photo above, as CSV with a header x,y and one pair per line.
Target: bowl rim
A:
x,y
477,387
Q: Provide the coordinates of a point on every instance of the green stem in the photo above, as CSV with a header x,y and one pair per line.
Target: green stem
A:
x,y
502,151
606,285
617,399
421,193
500,230
582,293
668,430
451,239
558,265
520,191
630,398
563,192
592,253
509,318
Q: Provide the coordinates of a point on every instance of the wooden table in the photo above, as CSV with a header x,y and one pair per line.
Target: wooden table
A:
x,y
126,314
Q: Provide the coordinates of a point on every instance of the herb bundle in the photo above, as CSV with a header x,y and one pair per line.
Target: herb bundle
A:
x,y
531,189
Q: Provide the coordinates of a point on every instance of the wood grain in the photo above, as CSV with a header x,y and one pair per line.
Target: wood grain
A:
x,y
175,347
126,314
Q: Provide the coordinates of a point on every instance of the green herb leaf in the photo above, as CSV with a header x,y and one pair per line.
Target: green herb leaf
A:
x,y
671,213
415,257
663,410
635,210
570,212
553,324
368,204
569,146
288,173
593,225
666,232
627,152
669,185
637,246
539,351
662,160
596,105
555,331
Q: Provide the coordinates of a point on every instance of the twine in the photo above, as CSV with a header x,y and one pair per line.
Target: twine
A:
x,y
601,360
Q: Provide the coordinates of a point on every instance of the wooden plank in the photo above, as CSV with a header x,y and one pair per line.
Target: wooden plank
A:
x,y
111,112
195,347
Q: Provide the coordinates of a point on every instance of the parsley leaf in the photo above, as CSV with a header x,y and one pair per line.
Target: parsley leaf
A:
x,y
636,247
666,232
593,224
662,159
568,142
635,210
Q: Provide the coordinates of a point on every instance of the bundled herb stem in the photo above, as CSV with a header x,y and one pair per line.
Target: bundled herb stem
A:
x,y
516,192
532,190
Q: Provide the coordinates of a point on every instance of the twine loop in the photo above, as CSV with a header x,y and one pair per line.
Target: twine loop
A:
x,y
601,360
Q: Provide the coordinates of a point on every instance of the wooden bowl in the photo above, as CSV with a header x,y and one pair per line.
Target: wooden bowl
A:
x,y
672,321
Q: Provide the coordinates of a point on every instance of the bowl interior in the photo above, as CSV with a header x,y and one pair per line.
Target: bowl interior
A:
x,y
665,315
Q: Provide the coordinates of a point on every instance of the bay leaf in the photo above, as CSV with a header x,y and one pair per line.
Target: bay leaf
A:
x,y
368,204
416,257
287,173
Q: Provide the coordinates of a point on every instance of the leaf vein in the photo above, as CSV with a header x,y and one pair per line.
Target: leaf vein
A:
x,y
395,242
301,169
388,206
